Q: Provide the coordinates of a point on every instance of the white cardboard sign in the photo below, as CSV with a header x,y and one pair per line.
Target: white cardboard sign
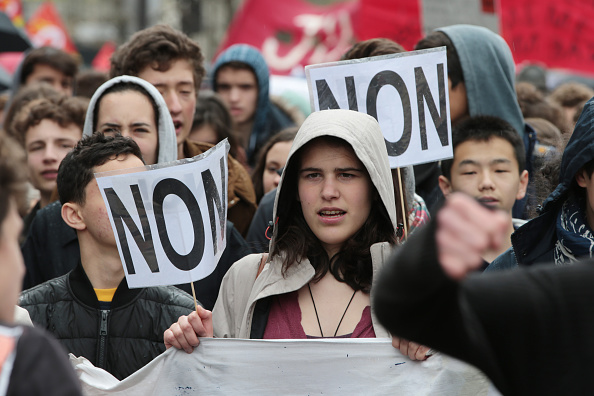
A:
x,y
169,221
407,93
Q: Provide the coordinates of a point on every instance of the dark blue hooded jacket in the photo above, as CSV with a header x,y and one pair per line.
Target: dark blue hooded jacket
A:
x,y
269,118
534,242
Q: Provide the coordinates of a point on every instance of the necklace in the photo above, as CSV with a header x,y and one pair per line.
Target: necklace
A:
x,y
318,318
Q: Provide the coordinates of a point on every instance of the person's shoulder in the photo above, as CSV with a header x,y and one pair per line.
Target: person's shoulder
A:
x,y
46,292
41,366
505,261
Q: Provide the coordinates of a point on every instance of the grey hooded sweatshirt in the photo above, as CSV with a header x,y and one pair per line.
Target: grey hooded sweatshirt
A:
x,y
167,138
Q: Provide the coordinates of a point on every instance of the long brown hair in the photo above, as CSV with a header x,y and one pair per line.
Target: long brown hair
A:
x,y
294,241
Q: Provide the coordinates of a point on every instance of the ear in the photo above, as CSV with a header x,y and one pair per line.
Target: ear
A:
x,y
445,185
582,178
523,185
72,216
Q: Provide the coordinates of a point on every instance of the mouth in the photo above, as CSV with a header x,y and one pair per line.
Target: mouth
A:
x,y
49,174
331,214
178,126
490,201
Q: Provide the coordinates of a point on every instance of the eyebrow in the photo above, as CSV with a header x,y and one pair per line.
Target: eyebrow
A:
x,y
493,162
339,170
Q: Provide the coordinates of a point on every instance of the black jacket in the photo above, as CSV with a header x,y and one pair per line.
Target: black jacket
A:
x,y
529,330
121,339
51,250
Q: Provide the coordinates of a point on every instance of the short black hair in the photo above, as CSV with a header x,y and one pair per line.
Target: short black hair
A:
x,y
440,39
76,169
481,129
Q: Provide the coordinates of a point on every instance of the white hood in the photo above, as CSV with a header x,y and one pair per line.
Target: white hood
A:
x,y
167,138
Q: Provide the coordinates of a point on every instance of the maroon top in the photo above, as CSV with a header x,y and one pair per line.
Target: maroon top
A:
x,y
284,320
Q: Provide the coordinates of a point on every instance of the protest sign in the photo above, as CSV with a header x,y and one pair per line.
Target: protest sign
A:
x,y
407,93
290,367
170,221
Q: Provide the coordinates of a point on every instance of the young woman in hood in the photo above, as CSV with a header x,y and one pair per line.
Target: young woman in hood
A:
x,y
335,226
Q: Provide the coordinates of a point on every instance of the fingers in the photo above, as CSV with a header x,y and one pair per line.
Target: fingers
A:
x,y
185,332
466,230
409,348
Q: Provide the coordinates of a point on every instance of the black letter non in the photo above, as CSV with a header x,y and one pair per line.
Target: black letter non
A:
x,y
424,94
326,98
120,216
212,195
173,186
388,77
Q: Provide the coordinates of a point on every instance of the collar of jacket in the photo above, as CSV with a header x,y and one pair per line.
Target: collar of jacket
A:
x,y
82,289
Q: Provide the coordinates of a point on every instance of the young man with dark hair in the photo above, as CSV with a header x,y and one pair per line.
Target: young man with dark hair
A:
x,y
49,65
563,232
481,81
91,310
241,76
172,62
33,363
488,165
48,128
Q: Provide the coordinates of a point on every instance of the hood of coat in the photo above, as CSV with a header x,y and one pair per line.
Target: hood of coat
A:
x,y
167,139
364,135
489,73
578,152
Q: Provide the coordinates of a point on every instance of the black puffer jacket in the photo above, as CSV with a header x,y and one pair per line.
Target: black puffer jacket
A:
x,y
121,339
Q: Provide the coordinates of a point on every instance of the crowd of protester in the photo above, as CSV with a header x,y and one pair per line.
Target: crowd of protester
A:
x,y
318,225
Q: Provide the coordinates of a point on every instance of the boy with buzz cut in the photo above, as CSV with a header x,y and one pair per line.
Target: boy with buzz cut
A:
x,y
488,165
91,310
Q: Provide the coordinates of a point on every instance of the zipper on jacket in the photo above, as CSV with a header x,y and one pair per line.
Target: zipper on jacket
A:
x,y
102,338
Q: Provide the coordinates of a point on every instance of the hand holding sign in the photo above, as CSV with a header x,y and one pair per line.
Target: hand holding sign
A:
x,y
185,332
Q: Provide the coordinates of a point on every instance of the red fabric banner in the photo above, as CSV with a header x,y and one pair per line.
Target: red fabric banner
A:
x,y
394,19
101,62
553,32
295,33
45,28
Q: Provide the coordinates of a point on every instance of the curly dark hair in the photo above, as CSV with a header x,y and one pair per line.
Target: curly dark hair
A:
x,y
158,47
63,110
295,241
76,169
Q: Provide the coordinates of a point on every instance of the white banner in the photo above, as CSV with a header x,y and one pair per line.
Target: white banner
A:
x,y
169,221
290,367
407,93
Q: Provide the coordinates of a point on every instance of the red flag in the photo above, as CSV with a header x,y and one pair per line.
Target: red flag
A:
x,y
293,33
398,20
101,62
14,10
45,28
553,32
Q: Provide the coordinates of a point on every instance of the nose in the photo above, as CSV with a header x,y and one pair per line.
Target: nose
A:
x,y
276,180
234,94
329,189
173,103
50,154
486,182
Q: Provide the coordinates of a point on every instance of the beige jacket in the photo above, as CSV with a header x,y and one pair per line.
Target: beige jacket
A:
x,y
240,290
